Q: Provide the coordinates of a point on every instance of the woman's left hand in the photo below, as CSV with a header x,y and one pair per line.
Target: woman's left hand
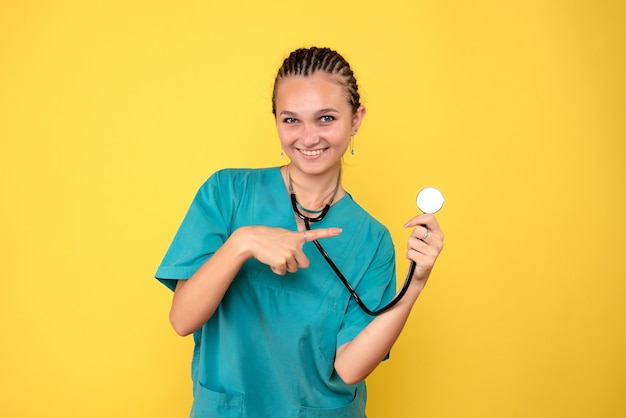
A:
x,y
424,245
357,358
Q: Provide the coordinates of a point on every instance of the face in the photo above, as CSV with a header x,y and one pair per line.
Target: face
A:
x,y
315,121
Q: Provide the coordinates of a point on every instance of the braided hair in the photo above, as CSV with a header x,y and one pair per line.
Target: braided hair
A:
x,y
307,61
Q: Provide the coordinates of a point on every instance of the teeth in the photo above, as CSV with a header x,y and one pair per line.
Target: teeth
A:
x,y
311,153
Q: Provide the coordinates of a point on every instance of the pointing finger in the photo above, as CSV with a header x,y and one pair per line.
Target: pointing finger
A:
x,y
315,234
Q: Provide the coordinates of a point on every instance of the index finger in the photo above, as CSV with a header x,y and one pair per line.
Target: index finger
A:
x,y
425,219
315,234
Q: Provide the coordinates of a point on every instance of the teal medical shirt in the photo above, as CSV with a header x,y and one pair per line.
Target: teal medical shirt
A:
x,y
268,350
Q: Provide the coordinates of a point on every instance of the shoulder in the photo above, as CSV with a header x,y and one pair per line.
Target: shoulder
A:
x,y
232,187
357,210
242,175
239,178
364,222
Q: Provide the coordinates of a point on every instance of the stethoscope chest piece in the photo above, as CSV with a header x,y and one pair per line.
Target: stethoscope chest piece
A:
x,y
429,200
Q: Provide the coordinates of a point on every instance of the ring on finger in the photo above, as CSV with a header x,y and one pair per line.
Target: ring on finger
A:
x,y
426,234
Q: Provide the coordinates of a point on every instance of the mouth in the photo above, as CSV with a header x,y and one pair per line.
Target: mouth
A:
x,y
311,152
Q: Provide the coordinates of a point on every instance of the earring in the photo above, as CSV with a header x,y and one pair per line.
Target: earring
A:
x,y
352,144
282,154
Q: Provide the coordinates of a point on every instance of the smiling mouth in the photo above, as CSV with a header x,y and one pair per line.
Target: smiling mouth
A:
x,y
311,153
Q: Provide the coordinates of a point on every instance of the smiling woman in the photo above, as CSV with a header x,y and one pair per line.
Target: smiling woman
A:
x,y
112,111
314,346
315,124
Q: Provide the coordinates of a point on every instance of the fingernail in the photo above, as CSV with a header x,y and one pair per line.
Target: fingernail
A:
x,y
337,231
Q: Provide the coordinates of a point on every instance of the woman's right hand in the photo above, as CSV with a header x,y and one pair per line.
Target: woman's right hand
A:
x,y
281,249
196,299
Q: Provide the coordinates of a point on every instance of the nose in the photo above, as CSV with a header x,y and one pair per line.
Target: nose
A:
x,y
310,135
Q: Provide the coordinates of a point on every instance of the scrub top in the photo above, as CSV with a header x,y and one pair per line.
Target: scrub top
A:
x,y
269,348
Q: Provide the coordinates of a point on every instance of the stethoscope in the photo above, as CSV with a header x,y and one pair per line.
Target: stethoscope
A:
x,y
429,200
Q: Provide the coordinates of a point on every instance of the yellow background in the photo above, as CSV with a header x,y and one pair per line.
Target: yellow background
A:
x,y
113,113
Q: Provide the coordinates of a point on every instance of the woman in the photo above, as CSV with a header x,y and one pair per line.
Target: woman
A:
x,y
276,333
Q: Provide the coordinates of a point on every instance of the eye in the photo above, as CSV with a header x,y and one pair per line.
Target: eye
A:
x,y
327,118
290,120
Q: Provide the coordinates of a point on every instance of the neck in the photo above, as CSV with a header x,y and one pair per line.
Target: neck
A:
x,y
314,192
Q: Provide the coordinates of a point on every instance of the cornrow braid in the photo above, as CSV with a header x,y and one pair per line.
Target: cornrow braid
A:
x,y
307,61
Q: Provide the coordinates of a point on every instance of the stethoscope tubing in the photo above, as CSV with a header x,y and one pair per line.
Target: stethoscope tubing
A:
x,y
356,297
343,279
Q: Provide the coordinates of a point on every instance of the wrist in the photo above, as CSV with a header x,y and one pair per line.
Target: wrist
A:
x,y
242,242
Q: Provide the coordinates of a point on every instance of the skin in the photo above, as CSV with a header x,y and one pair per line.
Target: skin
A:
x,y
314,123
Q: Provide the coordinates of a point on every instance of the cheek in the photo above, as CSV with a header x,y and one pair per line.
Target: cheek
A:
x,y
337,134
285,135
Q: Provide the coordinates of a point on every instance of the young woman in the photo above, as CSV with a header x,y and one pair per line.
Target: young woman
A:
x,y
276,332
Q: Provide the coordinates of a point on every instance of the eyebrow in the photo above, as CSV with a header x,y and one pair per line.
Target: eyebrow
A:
x,y
319,112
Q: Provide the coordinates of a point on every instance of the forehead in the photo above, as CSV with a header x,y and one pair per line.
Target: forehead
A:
x,y
319,87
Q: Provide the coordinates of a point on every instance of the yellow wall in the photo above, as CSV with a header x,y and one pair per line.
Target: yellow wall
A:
x,y
113,113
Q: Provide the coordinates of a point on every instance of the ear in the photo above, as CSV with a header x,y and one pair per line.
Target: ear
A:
x,y
357,119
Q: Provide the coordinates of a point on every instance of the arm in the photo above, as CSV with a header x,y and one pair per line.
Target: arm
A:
x,y
356,359
196,299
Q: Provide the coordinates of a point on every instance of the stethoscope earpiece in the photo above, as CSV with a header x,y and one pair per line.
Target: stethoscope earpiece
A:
x,y
429,200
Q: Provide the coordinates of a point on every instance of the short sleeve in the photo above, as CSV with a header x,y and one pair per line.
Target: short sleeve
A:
x,y
201,233
376,289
